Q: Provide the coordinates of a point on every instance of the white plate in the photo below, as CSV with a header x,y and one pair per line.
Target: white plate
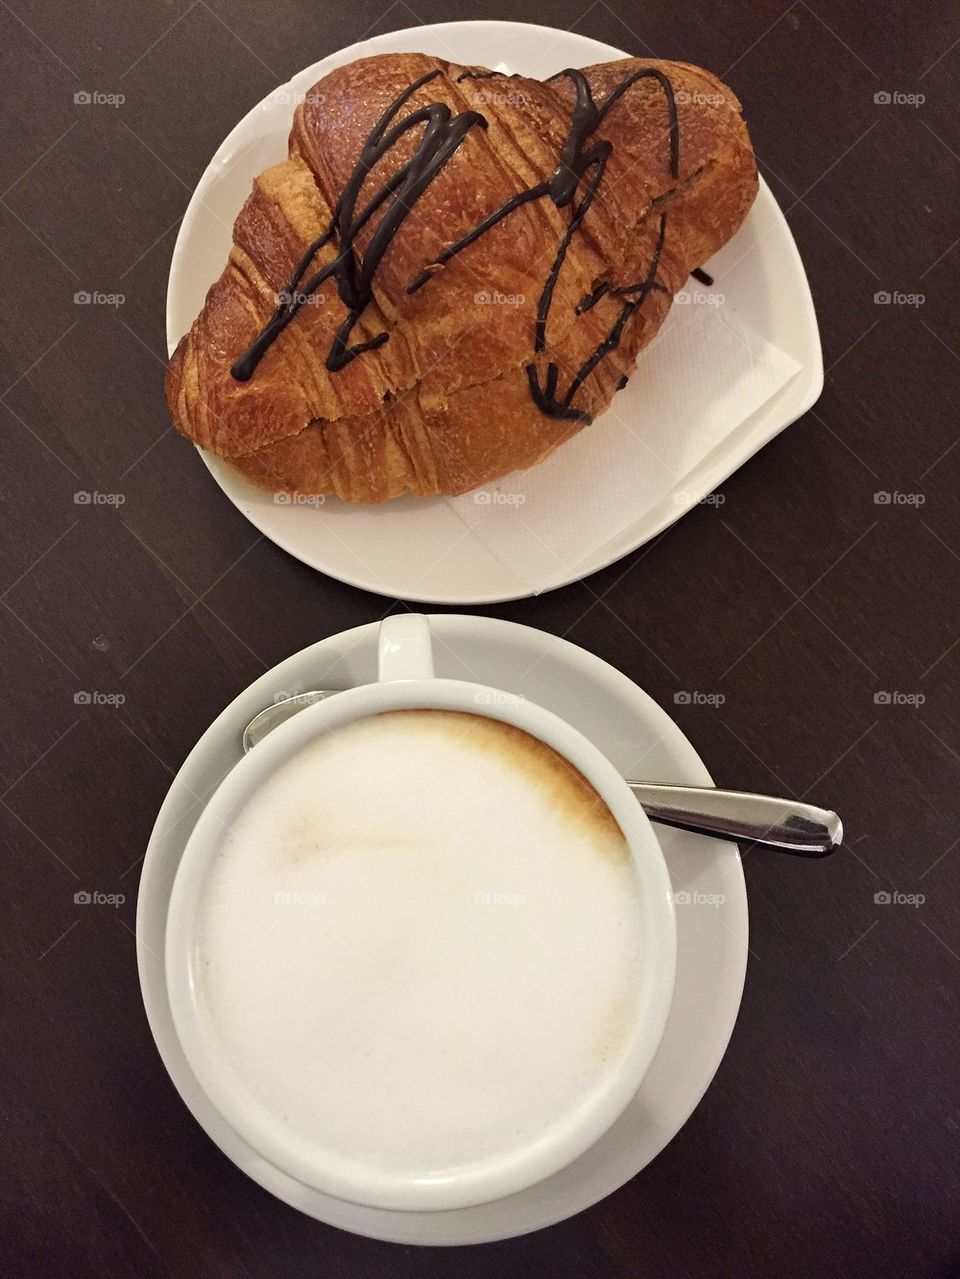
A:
x,y
419,549
641,740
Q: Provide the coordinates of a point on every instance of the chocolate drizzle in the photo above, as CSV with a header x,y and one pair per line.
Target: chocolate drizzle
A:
x,y
442,136
581,159
701,275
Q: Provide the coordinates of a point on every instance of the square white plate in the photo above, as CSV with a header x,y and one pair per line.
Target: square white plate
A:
x,y
418,548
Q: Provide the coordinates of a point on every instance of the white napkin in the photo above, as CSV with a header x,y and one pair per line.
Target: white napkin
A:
x,y
703,375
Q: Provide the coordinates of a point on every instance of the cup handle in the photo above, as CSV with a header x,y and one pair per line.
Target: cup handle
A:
x,y
405,649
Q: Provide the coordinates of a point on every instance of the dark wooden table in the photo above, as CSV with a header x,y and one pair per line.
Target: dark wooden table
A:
x,y
828,1142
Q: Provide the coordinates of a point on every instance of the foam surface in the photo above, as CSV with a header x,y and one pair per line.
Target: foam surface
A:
x,y
420,942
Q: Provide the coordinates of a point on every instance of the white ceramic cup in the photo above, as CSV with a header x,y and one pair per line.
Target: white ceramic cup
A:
x,y
406,681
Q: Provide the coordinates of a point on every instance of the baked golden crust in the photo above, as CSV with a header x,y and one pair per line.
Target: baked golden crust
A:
x,y
445,404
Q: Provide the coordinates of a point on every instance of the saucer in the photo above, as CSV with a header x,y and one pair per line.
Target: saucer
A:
x,y
420,548
641,739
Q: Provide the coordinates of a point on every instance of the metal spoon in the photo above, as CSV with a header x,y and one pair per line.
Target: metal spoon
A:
x,y
784,824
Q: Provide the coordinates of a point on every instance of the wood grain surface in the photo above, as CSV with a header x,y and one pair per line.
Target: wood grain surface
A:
x,y
827,618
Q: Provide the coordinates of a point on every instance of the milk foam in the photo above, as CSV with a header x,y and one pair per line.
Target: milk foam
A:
x,y
419,944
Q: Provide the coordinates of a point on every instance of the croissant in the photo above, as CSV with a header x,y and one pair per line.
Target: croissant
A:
x,y
453,271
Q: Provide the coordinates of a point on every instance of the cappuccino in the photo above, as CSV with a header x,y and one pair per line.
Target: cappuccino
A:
x,y
419,944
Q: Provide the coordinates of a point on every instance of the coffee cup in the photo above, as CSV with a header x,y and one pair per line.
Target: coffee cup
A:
x,y
420,948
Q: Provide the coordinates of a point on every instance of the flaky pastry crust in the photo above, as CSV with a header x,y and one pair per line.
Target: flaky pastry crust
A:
x,y
445,404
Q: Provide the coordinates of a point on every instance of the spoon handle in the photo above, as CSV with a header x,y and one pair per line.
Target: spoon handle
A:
x,y
784,824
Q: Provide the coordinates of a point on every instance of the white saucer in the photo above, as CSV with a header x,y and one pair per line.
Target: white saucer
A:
x,y
640,739
420,549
